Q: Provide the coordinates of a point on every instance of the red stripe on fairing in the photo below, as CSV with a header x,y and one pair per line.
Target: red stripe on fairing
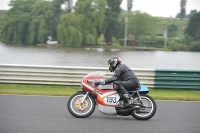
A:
x,y
100,98
90,88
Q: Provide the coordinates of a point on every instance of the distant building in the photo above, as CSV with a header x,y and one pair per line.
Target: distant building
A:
x,y
131,42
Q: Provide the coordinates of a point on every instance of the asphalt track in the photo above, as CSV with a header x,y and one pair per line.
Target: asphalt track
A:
x,y
41,114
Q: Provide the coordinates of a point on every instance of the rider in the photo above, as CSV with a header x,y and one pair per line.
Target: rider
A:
x,y
123,79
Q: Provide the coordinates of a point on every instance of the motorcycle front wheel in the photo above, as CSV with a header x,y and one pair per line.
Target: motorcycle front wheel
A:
x,y
147,108
79,109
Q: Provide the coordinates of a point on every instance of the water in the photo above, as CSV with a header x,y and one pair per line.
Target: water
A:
x,y
98,57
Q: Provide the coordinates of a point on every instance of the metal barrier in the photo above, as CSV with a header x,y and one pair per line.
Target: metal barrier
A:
x,y
58,75
177,79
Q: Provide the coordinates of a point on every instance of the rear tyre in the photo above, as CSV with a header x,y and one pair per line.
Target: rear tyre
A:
x,y
78,109
147,109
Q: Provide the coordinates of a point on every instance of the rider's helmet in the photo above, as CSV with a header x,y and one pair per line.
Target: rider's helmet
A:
x,y
113,63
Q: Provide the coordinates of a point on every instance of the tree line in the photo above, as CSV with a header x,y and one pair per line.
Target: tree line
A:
x,y
32,21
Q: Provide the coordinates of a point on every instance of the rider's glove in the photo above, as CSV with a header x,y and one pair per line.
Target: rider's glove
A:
x,y
97,83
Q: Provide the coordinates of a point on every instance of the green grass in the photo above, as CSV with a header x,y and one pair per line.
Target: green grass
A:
x,y
185,95
163,23
50,90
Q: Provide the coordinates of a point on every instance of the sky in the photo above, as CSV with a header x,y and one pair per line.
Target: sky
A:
x,y
162,8
158,8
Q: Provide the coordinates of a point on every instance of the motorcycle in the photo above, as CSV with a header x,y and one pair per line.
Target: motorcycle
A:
x,y
82,104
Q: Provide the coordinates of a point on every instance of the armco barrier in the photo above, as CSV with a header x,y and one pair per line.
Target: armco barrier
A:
x,y
60,75
177,79
65,75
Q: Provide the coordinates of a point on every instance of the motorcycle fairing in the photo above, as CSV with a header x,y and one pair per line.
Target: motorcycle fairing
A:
x,y
107,110
107,104
107,97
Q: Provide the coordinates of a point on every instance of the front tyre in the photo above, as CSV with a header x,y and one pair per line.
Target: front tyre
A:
x,y
78,109
147,109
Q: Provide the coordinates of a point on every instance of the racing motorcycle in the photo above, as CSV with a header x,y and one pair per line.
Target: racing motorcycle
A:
x,y
82,104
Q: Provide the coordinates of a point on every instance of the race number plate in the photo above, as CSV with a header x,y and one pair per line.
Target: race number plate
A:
x,y
111,100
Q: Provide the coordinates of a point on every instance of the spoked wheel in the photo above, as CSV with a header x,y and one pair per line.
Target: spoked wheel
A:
x,y
80,109
147,108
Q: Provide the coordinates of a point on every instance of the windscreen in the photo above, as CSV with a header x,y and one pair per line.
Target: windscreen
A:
x,y
97,73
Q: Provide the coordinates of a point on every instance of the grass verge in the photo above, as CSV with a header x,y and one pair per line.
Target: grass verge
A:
x,y
50,90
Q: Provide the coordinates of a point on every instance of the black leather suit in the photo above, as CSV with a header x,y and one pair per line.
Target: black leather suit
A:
x,y
123,79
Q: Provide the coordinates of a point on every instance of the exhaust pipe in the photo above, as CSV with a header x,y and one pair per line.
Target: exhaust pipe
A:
x,y
127,111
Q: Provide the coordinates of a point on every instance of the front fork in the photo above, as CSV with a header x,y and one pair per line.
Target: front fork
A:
x,y
84,97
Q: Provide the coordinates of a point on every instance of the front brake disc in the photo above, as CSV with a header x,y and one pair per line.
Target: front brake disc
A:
x,y
81,106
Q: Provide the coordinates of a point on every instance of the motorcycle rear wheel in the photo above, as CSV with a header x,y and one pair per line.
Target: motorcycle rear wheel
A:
x,y
147,110
78,109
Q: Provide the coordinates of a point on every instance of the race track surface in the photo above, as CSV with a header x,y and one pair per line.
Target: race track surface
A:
x,y
41,114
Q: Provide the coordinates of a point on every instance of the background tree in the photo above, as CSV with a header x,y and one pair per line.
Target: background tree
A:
x,y
193,26
58,11
41,25
31,21
192,12
183,9
17,20
69,30
129,4
178,15
197,35
68,5
111,19
172,30
140,24
92,18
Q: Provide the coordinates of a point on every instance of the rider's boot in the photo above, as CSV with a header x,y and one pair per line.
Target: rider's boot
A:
x,y
129,101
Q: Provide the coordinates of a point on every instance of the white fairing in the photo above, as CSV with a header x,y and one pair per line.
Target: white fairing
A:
x,y
110,101
107,110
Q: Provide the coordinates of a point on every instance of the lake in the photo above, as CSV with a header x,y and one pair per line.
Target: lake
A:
x,y
98,57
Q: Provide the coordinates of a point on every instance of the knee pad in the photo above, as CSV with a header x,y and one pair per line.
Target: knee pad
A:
x,y
115,86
